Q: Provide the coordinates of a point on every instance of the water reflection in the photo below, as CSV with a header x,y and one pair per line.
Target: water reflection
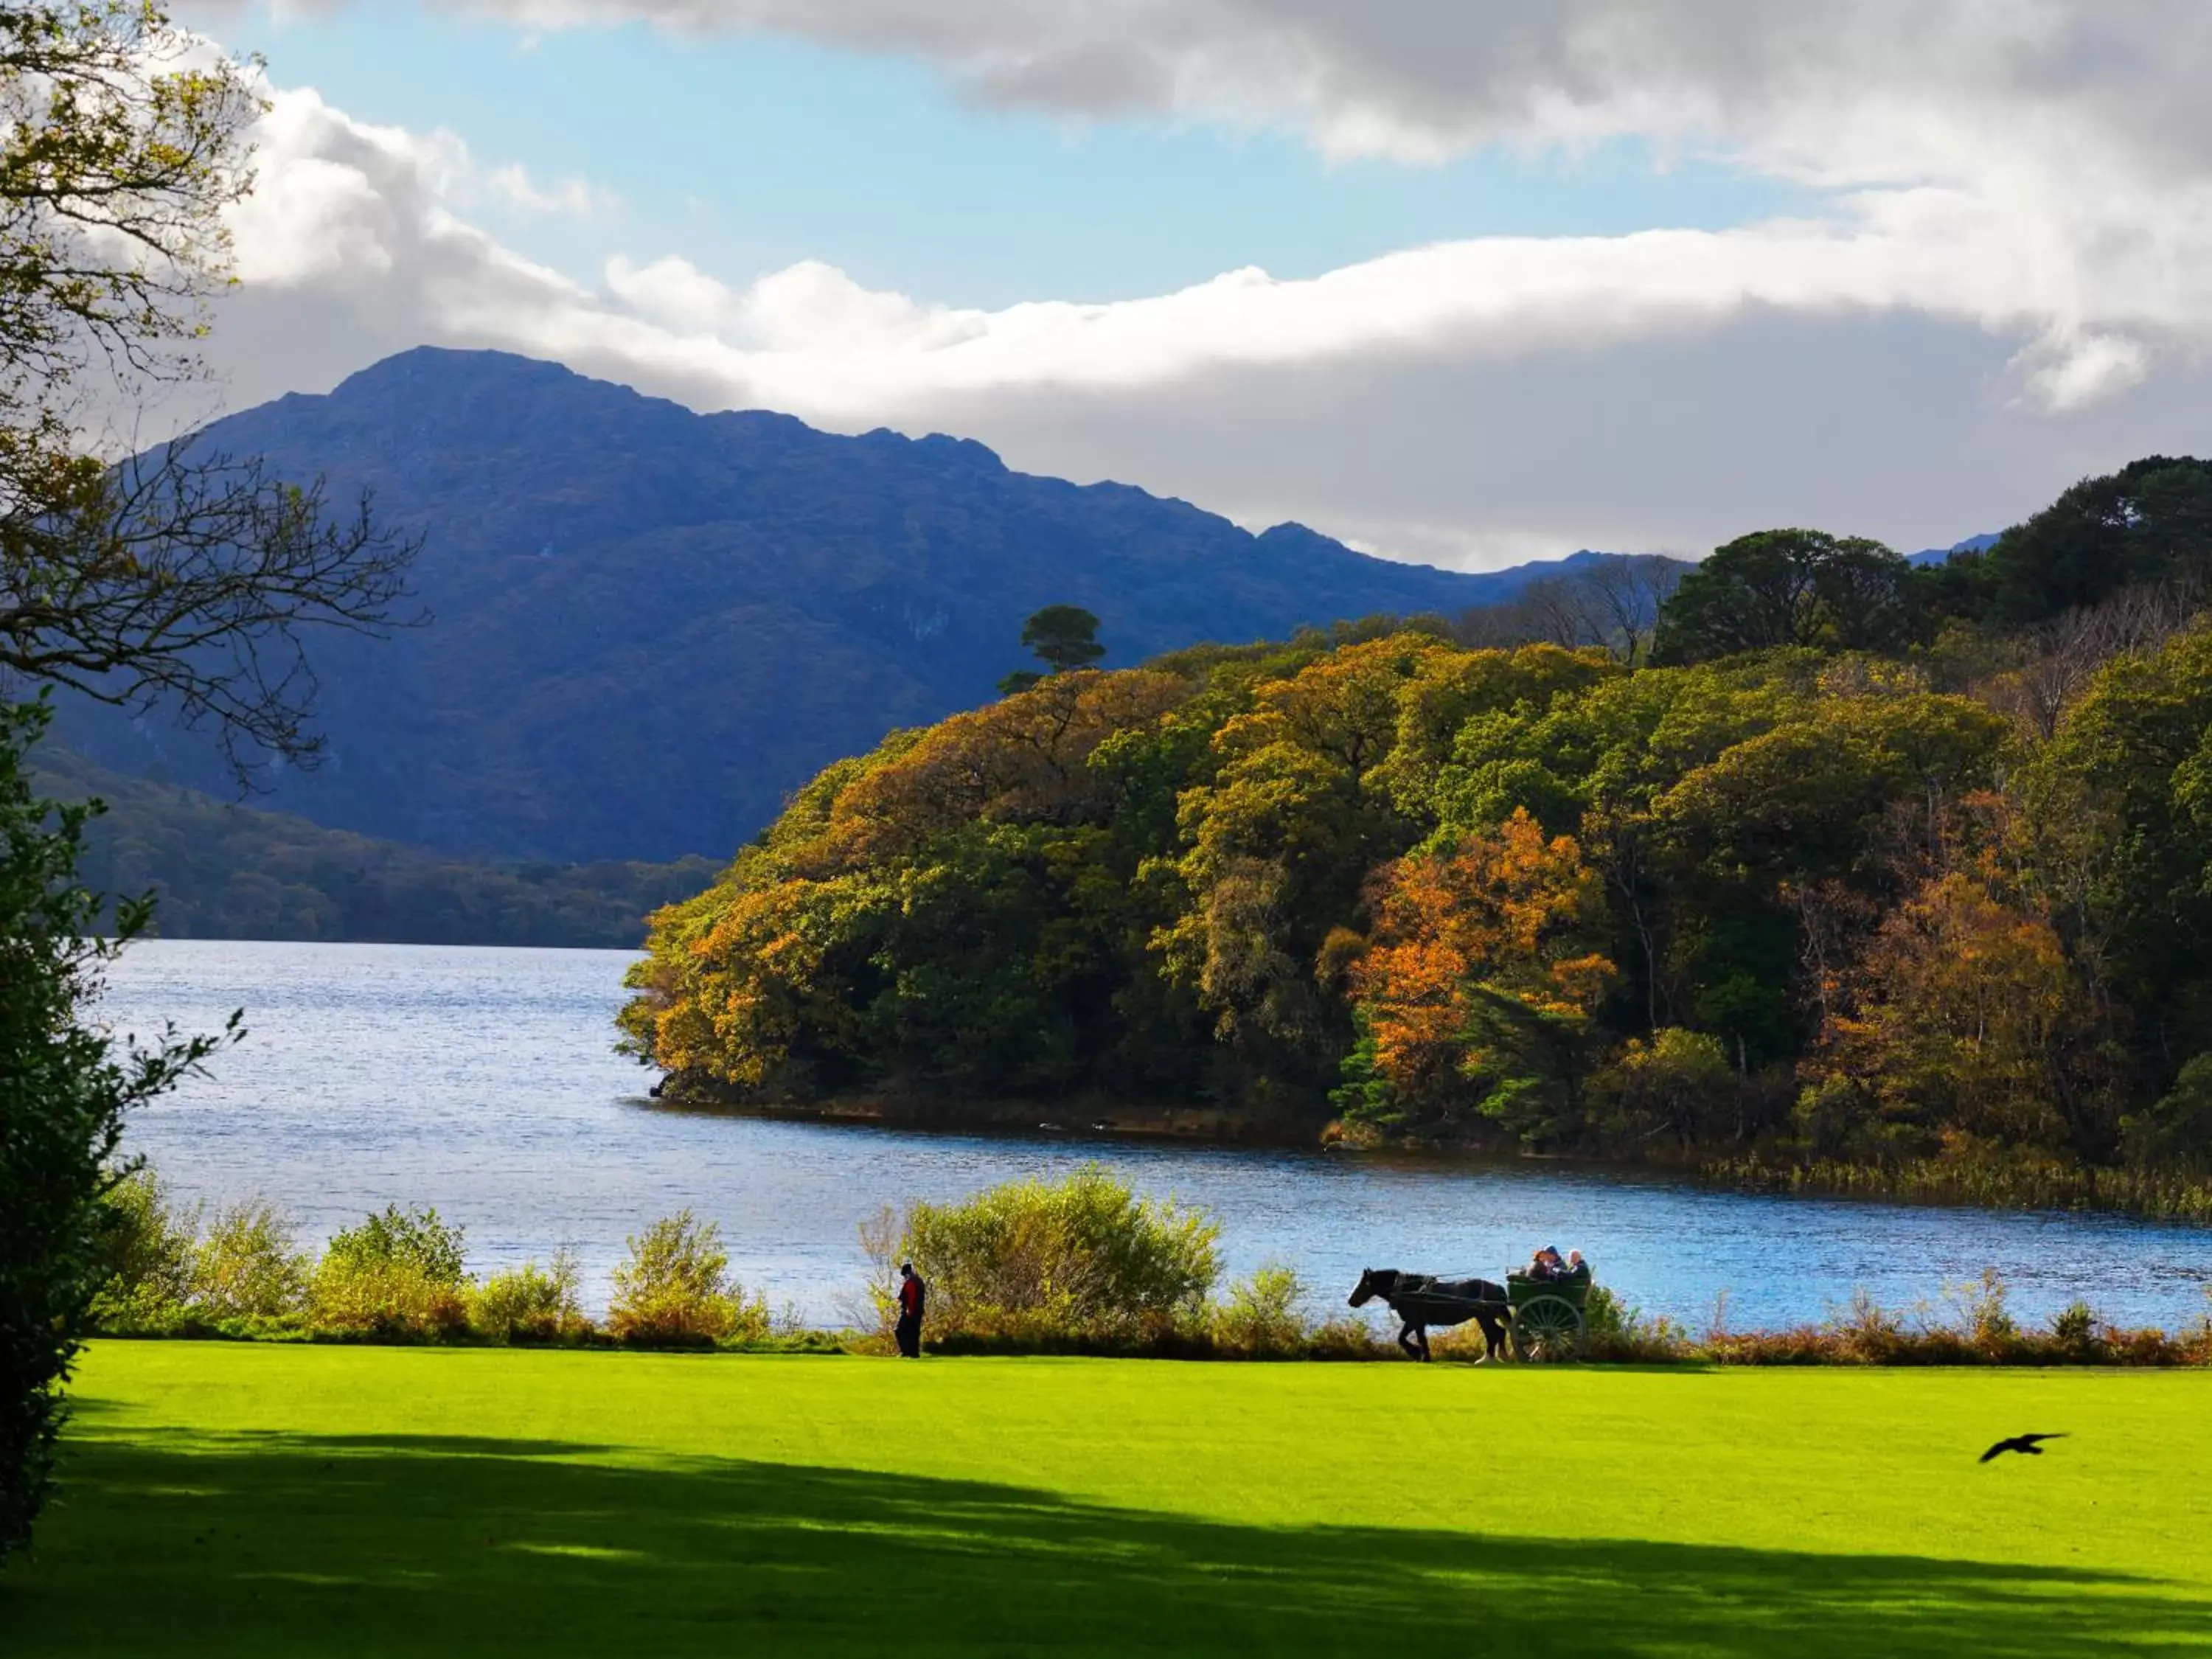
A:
x,y
484,1082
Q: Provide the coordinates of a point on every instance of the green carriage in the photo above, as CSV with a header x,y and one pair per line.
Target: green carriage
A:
x,y
1545,1316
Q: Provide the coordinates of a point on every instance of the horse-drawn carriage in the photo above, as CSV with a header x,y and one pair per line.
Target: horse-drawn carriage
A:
x,y
1542,1318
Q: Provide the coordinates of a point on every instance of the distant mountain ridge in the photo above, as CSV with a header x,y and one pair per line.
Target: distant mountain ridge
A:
x,y
652,625
1945,555
223,870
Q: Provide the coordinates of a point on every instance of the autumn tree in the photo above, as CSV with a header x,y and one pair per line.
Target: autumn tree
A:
x,y
1476,990
1966,1024
1278,845
1527,894
1026,756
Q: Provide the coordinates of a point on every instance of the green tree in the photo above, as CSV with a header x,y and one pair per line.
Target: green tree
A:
x,y
1788,587
2150,521
64,1087
1063,637
179,577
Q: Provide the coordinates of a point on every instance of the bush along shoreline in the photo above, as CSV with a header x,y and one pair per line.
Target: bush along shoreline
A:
x,y
1081,1266
2012,1182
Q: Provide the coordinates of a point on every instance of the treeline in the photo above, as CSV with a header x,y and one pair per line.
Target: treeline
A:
x,y
1808,857
219,869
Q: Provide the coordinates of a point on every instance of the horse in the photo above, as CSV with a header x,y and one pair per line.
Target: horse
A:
x,y
1420,1301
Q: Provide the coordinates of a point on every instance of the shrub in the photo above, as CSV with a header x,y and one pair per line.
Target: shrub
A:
x,y
1984,1321
1082,1260
1866,1333
1262,1319
400,1274
245,1267
1614,1330
2176,1129
529,1304
146,1252
2195,1342
417,1238
1680,1087
675,1289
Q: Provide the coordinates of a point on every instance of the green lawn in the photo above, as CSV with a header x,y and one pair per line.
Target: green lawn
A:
x,y
243,1500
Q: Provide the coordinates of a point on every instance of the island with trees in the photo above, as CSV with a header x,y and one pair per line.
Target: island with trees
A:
x,y
1840,864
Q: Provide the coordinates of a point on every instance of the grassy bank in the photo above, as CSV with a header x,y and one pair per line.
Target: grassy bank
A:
x,y
251,1499
2012,1183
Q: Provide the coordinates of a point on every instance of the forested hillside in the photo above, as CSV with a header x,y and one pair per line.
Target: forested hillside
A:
x,y
646,627
1849,858
223,870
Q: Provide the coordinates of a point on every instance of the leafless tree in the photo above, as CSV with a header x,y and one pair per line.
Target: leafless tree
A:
x,y
1610,604
183,576
2063,654
190,580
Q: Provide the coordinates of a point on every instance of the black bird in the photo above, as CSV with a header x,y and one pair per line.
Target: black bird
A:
x,y
2025,1445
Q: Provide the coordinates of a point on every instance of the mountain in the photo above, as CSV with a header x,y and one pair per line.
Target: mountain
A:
x,y
651,625
1945,555
226,871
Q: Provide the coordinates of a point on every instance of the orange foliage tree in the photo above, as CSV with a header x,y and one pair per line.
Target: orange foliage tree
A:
x,y
1476,990
1961,1023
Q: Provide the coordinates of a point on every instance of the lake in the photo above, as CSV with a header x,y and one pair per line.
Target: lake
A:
x,y
484,1082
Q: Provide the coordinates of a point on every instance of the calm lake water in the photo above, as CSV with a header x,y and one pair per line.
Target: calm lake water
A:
x,y
484,1082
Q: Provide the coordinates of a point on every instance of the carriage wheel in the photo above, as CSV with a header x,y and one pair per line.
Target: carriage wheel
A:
x,y
1547,1327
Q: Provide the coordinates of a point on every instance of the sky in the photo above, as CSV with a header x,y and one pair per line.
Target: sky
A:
x,y
1468,281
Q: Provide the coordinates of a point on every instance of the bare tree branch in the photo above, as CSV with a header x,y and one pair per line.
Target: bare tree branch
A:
x,y
178,578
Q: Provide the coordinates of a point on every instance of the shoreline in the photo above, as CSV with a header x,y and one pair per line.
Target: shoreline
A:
x,y
2181,1200
1210,1126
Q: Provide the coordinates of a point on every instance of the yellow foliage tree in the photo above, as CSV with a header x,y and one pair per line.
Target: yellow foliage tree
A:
x,y
1480,975
1962,1021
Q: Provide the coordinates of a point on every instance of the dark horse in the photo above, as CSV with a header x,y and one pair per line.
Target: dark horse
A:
x,y
1420,1301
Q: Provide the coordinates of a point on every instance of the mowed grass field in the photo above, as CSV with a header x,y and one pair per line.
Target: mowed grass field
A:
x,y
248,1500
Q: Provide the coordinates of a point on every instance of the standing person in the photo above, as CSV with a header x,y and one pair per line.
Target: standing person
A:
x,y
912,1294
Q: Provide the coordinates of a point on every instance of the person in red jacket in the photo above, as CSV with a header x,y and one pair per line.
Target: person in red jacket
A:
x,y
912,1294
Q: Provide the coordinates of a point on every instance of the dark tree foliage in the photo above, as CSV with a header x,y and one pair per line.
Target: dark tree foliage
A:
x,y
2149,522
1788,587
64,1087
1063,637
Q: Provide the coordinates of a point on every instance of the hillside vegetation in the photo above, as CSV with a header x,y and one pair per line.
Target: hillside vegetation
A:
x,y
220,869
1850,861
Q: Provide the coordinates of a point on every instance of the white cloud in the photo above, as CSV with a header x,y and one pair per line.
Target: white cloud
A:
x,y
511,186
2022,191
2076,126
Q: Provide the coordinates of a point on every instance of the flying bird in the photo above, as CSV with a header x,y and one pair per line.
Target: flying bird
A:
x,y
2025,1445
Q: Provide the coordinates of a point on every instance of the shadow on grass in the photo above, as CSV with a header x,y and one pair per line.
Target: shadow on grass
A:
x,y
359,1545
